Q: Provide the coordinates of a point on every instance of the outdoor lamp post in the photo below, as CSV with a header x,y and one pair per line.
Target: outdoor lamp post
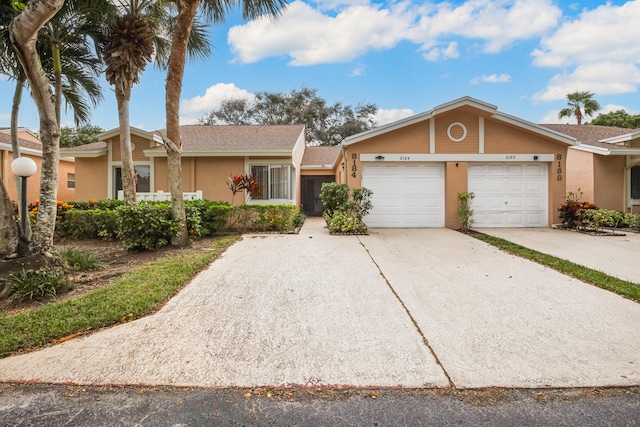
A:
x,y
23,167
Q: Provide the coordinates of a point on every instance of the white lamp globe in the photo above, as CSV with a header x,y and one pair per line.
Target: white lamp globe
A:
x,y
24,166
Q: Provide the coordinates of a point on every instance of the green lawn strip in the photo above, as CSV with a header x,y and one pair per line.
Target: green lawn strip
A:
x,y
602,280
139,292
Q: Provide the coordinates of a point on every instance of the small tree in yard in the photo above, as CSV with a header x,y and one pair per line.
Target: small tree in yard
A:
x,y
464,211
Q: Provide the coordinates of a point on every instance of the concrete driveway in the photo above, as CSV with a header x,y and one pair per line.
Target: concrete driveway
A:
x,y
615,255
411,308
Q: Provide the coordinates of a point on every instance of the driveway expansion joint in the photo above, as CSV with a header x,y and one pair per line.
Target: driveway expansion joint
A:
x,y
413,320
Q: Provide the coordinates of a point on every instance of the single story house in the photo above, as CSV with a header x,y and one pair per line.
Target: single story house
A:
x,y
417,166
276,155
605,166
30,146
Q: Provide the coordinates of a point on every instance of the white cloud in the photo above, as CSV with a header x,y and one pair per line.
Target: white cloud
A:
x,y
491,78
191,110
438,53
339,31
359,70
213,98
5,116
598,52
384,116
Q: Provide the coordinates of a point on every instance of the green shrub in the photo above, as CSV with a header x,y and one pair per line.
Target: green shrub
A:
x,y
146,225
632,221
598,218
89,224
334,196
37,285
109,204
194,221
298,219
80,260
464,211
81,205
263,217
213,215
341,222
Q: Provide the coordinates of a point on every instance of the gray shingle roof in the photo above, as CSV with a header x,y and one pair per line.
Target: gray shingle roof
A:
x,y
591,134
248,138
24,143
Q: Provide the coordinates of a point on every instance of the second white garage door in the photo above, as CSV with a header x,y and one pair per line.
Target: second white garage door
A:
x,y
509,194
405,194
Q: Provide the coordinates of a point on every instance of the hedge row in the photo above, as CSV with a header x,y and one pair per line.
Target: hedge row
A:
x,y
149,225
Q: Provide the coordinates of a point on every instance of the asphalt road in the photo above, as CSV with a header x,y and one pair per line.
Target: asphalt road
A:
x,y
47,405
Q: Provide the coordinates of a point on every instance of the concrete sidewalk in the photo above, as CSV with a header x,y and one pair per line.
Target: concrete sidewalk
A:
x,y
615,255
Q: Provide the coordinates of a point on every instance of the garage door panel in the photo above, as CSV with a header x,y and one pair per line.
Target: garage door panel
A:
x,y
405,194
509,194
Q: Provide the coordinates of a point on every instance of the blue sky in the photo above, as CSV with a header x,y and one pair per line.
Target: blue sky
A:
x,y
407,57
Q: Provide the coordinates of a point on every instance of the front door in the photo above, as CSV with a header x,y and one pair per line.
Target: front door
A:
x,y
311,186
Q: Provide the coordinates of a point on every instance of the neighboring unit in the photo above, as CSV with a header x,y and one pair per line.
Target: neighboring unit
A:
x,y
210,154
605,167
30,146
416,167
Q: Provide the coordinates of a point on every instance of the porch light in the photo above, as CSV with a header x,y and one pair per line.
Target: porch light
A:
x,y
24,167
380,157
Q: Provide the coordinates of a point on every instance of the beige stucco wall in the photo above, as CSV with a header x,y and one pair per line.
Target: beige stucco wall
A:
x,y
33,182
91,178
203,173
499,138
456,181
580,176
609,176
137,154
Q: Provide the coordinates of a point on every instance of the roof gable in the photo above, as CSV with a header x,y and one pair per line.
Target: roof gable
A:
x,y
480,107
320,157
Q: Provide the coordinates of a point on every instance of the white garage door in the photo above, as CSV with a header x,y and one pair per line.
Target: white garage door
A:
x,y
509,194
405,194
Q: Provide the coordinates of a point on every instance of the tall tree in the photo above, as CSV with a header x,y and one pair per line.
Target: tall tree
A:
x,y
212,11
619,118
73,137
24,33
580,104
130,49
325,124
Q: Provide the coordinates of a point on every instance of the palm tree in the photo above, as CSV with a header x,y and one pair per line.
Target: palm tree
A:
x,y
64,47
23,31
213,11
131,46
580,104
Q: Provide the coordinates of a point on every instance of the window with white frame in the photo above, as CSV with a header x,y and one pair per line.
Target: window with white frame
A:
x,y
71,180
276,180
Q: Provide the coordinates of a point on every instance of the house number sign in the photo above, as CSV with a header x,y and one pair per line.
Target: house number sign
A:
x,y
559,170
354,168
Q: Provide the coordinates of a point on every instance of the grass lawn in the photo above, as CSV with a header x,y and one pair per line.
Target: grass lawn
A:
x,y
138,293
621,287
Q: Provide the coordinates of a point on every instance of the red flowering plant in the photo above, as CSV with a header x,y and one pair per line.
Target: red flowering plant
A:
x,y
573,212
246,182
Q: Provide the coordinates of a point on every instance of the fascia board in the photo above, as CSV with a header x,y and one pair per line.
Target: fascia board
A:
x,y
621,138
23,150
272,153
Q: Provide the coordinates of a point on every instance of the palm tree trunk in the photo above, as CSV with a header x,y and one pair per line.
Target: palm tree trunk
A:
x,y
128,171
24,32
186,13
57,72
24,235
8,225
